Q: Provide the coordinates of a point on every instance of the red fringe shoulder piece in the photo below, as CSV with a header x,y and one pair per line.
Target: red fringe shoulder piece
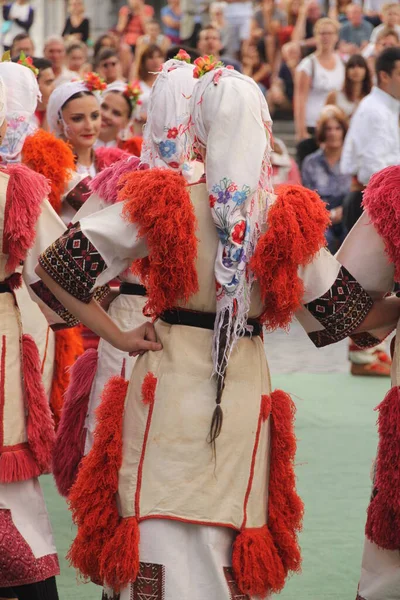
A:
x,y
68,347
157,200
70,439
105,157
296,226
133,145
383,520
26,191
382,203
107,184
51,157
92,497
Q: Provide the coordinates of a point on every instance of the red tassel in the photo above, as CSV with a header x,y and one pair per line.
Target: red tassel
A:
x,y
92,497
296,231
119,562
169,273
149,388
68,348
70,439
256,563
40,426
18,465
266,404
285,507
383,521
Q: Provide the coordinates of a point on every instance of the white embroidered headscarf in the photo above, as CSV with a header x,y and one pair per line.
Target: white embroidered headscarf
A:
x,y
231,122
22,91
57,100
165,133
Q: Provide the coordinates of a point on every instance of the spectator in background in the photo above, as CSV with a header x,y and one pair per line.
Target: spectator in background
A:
x,y
112,40
316,76
321,171
46,80
238,17
280,94
266,23
76,57
147,66
338,11
17,18
218,21
357,85
373,10
284,167
356,32
390,16
386,38
292,13
303,32
210,43
108,65
77,26
54,51
171,18
254,65
153,36
22,43
131,21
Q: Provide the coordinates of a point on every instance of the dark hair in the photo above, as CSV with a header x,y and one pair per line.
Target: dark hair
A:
x,y
173,51
130,109
386,61
357,61
76,46
209,28
99,43
41,63
327,114
75,97
149,52
105,54
21,36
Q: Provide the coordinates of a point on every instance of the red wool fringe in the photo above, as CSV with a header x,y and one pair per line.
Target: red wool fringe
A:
x,y
133,145
285,507
26,191
381,201
40,426
68,347
106,183
149,388
266,404
158,201
18,465
119,563
53,158
256,563
296,225
70,439
105,157
92,497
383,521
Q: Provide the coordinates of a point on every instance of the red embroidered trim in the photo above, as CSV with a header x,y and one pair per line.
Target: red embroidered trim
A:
x,y
150,583
146,435
234,592
2,387
253,462
18,565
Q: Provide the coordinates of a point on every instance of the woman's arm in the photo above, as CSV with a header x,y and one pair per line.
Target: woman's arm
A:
x,y
123,19
331,98
262,72
93,316
302,84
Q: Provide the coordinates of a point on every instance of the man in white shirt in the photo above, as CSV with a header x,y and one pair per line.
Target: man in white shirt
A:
x,y
373,140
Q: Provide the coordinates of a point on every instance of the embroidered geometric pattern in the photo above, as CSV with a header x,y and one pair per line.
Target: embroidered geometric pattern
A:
x,y
18,565
149,584
42,291
340,310
234,592
365,340
74,263
79,194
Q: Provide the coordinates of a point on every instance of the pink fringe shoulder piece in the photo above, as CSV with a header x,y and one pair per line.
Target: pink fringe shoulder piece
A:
x,y
382,203
106,183
26,191
105,157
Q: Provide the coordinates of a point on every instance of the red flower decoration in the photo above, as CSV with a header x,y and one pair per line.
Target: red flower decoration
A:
x,y
94,82
183,55
238,232
212,199
173,165
204,64
172,133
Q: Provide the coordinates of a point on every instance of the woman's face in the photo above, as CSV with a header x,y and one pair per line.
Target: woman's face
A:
x,y
109,69
82,122
326,37
114,116
154,62
333,134
75,7
356,74
76,59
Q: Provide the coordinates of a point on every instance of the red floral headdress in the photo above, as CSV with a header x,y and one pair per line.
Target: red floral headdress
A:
x,y
205,64
132,93
25,61
183,56
94,82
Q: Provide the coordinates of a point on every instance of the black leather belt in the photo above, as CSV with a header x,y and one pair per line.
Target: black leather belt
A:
x,y
132,289
203,320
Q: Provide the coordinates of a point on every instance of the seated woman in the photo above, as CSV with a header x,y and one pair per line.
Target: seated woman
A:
x,y
321,171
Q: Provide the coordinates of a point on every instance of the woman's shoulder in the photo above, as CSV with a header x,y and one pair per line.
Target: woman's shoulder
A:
x,y
306,64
